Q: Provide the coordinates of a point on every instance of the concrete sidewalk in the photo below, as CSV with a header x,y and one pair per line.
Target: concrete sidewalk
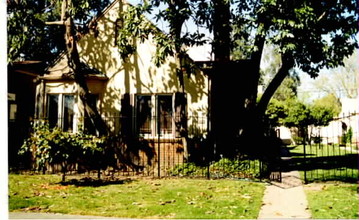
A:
x,y
286,199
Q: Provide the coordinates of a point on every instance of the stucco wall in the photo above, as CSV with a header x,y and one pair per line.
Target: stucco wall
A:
x,y
139,75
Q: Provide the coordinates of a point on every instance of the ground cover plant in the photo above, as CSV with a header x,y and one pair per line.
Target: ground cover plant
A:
x,y
224,168
139,198
333,200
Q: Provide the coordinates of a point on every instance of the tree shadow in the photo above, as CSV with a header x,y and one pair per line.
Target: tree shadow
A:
x,y
92,182
324,168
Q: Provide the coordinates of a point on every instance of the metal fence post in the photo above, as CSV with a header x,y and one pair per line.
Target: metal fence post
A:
x,y
159,143
305,158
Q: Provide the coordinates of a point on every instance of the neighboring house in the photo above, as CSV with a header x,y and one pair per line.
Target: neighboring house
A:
x,y
134,97
21,99
348,119
285,135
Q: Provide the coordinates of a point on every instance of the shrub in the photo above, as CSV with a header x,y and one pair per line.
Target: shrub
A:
x,y
237,168
347,136
52,146
186,169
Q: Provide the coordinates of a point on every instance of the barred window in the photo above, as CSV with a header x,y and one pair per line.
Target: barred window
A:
x,y
60,111
154,114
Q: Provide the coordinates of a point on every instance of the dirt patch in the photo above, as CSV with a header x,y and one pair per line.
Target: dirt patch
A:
x,y
315,187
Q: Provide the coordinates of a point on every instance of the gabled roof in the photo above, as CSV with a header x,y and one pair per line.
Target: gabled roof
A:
x,y
61,58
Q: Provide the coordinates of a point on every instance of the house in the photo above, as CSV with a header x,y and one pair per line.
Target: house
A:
x,y
134,98
338,128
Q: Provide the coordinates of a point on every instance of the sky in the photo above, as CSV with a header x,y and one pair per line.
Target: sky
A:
x,y
197,53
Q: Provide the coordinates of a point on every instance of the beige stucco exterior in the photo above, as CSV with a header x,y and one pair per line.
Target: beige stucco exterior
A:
x,y
137,76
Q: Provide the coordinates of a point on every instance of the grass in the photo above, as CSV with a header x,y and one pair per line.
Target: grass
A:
x,y
144,198
324,150
330,200
326,162
333,201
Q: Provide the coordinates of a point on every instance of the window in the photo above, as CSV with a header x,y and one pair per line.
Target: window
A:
x,y
154,115
143,114
68,112
52,110
89,126
164,114
60,111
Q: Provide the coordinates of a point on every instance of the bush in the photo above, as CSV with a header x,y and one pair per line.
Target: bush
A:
x,y
347,136
237,168
242,167
51,146
186,169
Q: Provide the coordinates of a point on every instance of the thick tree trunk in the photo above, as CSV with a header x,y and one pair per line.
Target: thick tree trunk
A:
x,y
221,30
255,139
221,49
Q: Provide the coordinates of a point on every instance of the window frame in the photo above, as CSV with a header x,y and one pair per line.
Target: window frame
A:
x,y
154,117
60,115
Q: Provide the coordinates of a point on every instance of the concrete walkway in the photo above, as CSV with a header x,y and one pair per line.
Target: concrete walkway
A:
x,y
286,199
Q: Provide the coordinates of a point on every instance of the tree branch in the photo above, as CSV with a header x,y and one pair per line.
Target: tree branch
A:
x,y
287,64
55,22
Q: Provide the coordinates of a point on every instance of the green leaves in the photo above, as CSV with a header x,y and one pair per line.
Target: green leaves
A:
x,y
316,34
132,27
293,113
28,36
53,146
135,27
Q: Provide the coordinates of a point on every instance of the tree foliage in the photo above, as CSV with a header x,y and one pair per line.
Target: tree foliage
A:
x,y
28,36
294,113
308,35
329,101
31,39
317,34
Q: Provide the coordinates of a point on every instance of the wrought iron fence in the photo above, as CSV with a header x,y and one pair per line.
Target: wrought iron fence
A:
x,y
156,152
328,153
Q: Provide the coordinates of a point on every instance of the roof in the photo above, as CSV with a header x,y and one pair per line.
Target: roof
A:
x,y
32,68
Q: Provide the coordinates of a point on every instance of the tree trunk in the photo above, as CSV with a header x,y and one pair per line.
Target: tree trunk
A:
x,y
251,98
221,49
83,91
75,65
283,72
221,30
255,139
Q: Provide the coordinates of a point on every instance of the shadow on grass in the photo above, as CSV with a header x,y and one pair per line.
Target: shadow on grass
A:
x,y
342,168
88,181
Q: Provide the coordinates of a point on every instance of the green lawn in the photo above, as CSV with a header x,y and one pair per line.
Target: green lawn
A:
x,y
329,200
333,201
143,198
324,150
326,162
